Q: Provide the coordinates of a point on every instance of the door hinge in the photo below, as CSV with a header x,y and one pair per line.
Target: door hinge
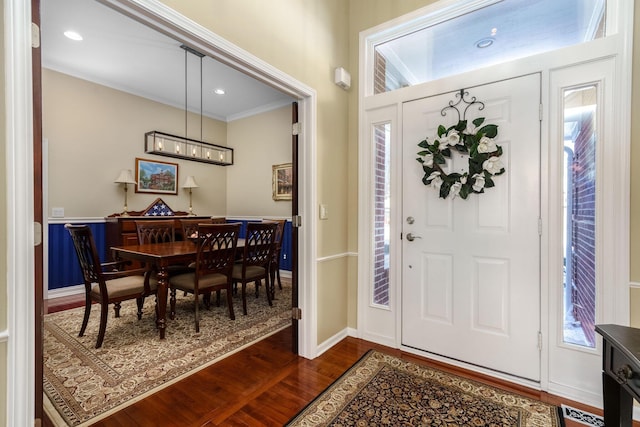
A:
x,y
295,128
296,221
35,36
539,226
296,313
37,233
539,341
540,110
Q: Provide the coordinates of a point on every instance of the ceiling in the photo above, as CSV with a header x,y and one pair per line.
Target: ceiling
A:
x,y
121,53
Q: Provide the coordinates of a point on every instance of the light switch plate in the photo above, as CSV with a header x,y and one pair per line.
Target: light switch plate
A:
x,y
57,212
324,211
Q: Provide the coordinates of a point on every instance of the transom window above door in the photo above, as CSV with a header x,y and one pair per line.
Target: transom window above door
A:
x,y
451,42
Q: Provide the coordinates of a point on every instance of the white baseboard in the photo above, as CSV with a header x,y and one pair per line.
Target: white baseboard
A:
x,y
65,292
327,344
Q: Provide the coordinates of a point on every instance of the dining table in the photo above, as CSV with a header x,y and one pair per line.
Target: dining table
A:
x,y
161,256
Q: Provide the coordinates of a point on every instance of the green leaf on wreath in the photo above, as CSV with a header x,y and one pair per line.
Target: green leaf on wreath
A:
x,y
464,192
423,144
439,159
441,130
446,152
477,122
488,182
423,153
462,125
444,190
490,131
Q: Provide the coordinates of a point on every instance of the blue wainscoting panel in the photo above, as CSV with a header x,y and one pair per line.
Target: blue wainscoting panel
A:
x,y
285,256
64,269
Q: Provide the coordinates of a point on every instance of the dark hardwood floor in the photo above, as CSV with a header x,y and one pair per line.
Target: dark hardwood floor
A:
x,y
265,385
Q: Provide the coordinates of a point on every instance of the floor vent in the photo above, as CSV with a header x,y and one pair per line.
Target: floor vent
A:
x,y
581,417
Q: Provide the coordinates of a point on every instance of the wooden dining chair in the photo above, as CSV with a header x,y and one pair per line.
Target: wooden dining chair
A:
x,y
190,226
155,231
217,244
106,283
159,231
254,266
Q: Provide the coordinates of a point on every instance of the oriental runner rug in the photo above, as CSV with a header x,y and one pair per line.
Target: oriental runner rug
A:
x,y
83,384
384,390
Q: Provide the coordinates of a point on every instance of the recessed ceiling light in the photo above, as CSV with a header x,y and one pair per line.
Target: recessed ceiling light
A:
x,y
73,35
485,42
219,91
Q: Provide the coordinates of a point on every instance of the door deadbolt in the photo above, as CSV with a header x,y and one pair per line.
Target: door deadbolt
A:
x,y
410,220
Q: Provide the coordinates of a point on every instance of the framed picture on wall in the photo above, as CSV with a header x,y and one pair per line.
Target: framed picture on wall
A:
x,y
157,177
282,181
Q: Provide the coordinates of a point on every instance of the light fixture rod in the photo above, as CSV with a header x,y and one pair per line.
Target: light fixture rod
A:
x,y
191,50
201,96
186,105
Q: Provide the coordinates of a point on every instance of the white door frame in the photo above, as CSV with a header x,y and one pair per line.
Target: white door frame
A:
x,y
20,333
615,304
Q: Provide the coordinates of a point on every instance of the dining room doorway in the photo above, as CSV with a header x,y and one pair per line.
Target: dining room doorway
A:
x,y
302,112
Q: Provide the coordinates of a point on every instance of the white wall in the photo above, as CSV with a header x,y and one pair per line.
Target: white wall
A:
x,y
259,142
94,131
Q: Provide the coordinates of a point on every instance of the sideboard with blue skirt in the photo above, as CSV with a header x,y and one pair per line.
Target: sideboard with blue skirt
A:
x,y
64,269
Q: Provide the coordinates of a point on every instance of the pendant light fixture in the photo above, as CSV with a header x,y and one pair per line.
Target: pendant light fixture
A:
x,y
164,144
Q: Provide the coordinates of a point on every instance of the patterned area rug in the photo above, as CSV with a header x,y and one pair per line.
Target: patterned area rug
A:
x,y
85,384
384,390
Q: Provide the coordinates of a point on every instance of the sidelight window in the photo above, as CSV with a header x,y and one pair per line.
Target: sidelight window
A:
x,y
580,109
382,215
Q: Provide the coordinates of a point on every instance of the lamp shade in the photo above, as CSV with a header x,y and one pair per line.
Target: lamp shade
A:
x,y
125,177
190,182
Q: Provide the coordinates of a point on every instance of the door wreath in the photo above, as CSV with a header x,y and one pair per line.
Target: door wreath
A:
x,y
477,141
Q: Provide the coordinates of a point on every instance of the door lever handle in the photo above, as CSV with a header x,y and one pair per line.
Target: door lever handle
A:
x,y
411,237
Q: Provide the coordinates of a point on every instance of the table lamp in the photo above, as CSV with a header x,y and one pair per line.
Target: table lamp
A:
x,y
190,183
125,177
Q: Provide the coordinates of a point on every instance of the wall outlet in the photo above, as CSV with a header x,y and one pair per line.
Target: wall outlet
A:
x,y
57,212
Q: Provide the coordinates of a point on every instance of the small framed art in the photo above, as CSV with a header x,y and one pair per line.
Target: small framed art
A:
x,y
282,181
156,177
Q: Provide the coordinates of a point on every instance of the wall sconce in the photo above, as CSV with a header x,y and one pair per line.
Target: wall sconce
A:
x,y
125,177
190,183
167,145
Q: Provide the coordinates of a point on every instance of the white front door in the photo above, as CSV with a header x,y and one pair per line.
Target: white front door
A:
x,y
471,276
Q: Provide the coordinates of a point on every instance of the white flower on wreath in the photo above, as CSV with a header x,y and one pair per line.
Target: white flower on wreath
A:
x,y
471,129
493,165
435,179
451,138
487,145
478,184
428,160
455,188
